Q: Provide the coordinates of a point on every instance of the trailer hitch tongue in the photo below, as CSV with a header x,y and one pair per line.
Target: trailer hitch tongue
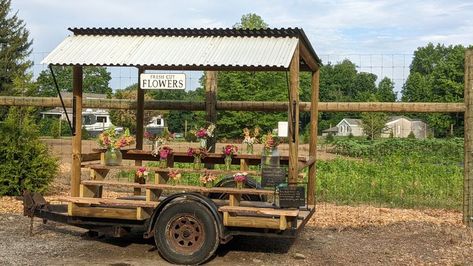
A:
x,y
31,203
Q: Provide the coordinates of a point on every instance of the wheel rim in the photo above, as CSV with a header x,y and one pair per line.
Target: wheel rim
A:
x,y
185,234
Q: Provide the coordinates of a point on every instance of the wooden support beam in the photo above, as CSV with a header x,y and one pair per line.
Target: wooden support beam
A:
x,y
468,171
140,99
211,106
293,117
77,138
314,115
307,57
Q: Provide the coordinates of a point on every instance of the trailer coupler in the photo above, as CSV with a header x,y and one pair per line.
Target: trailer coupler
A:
x,y
31,203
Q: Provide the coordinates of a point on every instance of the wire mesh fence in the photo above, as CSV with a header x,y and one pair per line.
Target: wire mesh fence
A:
x,y
404,180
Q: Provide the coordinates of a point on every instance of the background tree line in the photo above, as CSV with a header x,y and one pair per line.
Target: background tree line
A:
x,y
436,75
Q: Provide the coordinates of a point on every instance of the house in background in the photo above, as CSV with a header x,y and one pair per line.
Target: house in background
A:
x,y
350,126
398,126
401,127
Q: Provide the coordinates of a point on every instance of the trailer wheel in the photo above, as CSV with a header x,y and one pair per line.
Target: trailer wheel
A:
x,y
186,233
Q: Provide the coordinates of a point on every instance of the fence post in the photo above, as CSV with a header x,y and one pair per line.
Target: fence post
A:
x,y
468,160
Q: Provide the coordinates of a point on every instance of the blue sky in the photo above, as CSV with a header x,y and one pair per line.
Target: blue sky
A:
x,y
337,29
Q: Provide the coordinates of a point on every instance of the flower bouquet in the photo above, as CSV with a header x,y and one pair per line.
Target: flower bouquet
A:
x,y
250,138
164,152
203,133
270,144
141,175
207,179
113,142
240,179
158,140
198,154
174,177
229,150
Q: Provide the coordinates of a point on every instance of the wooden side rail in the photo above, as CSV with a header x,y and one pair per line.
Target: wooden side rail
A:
x,y
261,211
106,202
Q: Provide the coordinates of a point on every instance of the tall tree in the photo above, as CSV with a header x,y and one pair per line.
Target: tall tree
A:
x,y
15,47
385,91
436,75
96,80
249,86
251,21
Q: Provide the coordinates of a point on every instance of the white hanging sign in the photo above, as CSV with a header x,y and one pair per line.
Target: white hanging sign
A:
x,y
162,81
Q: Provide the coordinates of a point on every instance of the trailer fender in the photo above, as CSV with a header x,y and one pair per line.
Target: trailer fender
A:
x,y
185,196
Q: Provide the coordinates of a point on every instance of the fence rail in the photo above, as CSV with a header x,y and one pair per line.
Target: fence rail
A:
x,y
236,106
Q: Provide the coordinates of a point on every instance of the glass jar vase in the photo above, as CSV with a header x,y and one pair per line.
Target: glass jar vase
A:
x,y
113,157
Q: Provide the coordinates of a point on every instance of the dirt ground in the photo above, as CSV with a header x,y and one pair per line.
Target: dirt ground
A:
x,y
336,235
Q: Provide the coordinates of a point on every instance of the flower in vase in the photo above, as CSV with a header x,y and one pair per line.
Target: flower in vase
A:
x,y
269,142
204,133
110,138
230,150
164,152
140,175
200,152
240,177
207,178
175,175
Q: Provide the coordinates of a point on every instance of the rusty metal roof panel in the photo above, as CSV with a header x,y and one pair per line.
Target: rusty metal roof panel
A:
x,y
174,51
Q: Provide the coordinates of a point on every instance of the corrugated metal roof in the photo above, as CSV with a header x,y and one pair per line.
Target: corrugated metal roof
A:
x,y
178,51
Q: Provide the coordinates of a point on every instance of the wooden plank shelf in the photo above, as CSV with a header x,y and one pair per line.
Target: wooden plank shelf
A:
x,y
166,170
211,158
227,190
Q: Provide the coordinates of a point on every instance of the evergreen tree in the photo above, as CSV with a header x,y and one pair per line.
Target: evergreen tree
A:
x,y
15,47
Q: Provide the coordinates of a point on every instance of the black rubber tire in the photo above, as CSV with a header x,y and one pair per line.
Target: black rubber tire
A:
x,y
166,241
229,182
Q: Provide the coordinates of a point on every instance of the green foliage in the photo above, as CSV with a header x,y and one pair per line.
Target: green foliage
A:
x,y
373,124
395,172
25,163
341,82
396,181
95,80
436,151
50,127
15,47
436,75
411,135
251,21
386,91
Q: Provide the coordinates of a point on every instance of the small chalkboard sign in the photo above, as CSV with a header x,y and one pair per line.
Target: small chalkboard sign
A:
x,y
272,176
291,197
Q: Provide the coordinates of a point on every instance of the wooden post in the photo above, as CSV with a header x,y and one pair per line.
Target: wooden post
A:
x,y
77,138
293,115
468,167
314,115
211,107
140,99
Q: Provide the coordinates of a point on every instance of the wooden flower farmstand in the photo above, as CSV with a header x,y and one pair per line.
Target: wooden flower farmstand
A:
x,y
187,222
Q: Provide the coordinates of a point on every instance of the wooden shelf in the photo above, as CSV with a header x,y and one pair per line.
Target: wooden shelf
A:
x,y
166,170
248,191
211,158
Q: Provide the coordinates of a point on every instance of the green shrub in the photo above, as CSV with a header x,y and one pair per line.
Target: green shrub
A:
x,y
25,163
